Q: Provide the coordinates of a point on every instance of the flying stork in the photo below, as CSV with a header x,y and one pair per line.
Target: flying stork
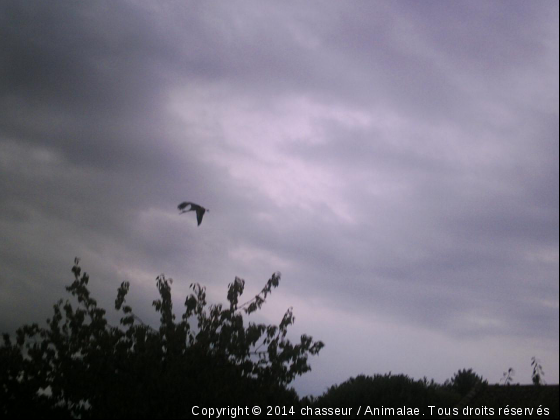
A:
x,y
199,210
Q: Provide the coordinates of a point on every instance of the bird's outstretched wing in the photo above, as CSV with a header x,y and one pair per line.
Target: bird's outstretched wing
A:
x,y
199,213
183,205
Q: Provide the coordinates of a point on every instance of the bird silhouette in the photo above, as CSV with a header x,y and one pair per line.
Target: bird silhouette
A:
x,y
199,210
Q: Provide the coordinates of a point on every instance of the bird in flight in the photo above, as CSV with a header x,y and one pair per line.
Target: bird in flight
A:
x,y
199,210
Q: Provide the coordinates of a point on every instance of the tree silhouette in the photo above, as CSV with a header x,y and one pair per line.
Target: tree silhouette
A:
x,y
538,373
388,391
507,377
81,366
465,380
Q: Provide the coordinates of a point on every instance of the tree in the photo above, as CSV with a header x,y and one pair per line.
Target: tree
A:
x,y
81,366
507,377
465,380
388,391
538,373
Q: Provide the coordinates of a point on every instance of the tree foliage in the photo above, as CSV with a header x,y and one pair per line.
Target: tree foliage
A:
x,y
81,366
465,380
537,376
389,391
507,377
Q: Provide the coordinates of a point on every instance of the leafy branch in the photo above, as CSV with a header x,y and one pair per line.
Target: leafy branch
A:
x,y
81,366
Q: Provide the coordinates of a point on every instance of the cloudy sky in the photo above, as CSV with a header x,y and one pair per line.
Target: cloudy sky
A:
x,y
396,161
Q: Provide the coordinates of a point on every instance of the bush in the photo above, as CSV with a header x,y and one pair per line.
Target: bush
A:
x,y
80,366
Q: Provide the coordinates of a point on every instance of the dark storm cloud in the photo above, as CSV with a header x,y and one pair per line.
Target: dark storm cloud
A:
x,y
395,159
83,77
84,143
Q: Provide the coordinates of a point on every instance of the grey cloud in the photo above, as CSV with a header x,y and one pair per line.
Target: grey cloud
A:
x,y
452,202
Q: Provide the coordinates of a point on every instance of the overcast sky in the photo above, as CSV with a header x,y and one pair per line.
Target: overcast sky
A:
x,y
396,161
